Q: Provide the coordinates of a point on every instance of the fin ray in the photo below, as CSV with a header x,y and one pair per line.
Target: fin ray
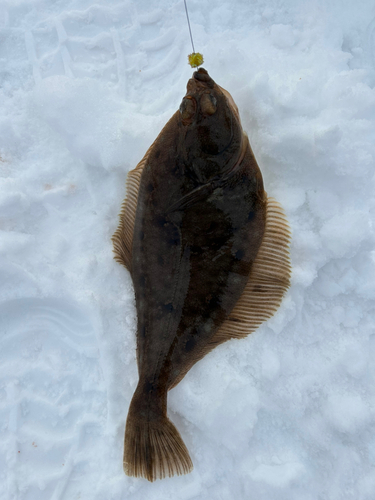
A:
x,y
153,446
123,237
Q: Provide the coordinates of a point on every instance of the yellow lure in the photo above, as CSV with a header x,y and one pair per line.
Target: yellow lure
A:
x,y
195,59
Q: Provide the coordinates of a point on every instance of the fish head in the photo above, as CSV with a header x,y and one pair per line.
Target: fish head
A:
x,y
210,125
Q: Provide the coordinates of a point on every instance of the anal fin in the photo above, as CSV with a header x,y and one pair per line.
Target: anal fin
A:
x,y
268,281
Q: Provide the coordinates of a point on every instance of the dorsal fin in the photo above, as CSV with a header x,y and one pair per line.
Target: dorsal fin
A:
x,y
123,237
268,281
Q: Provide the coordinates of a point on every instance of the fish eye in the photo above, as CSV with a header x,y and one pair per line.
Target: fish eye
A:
x,y
187,108
208,104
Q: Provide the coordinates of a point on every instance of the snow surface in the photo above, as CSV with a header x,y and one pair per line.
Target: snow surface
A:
x,y
85,87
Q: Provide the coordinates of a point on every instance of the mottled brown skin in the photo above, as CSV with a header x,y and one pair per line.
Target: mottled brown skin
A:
x,y
199,224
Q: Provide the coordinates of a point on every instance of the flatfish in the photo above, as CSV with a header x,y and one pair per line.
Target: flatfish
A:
x,y
207,251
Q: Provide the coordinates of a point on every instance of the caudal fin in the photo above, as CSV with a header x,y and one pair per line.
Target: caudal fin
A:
x,y
153,447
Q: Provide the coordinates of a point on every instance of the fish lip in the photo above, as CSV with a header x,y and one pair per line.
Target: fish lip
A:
x,y
202,76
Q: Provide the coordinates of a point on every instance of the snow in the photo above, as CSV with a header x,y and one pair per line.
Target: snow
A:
x,y
85,87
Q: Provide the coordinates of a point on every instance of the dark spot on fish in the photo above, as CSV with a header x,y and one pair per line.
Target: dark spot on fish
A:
x,y
142,281
168,308
150,187
212,302
157,153
196,250
213,226
148,387
240,254
189,346
216,243
174,240
141,235
160,221
251,215
142,331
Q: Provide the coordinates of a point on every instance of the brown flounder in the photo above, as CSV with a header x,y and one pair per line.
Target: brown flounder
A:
x,y
208,256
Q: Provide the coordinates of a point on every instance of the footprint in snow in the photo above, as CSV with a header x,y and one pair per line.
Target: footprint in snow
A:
x,y
53,405
111,43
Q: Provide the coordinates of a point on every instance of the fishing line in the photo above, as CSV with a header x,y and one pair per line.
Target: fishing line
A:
x,y
191,36
195,59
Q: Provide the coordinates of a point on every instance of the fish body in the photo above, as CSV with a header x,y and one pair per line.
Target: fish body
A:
x,y
191,233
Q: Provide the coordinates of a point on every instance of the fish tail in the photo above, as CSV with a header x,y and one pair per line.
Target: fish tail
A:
x,y
153,446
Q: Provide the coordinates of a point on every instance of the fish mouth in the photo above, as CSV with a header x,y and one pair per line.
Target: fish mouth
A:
x,y
202,76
